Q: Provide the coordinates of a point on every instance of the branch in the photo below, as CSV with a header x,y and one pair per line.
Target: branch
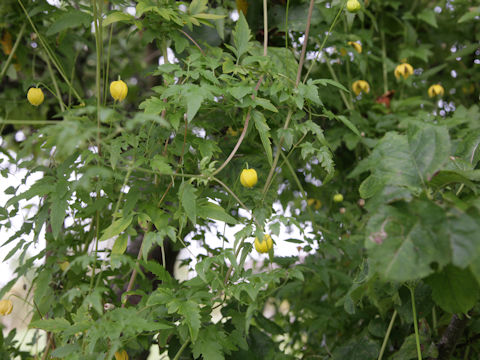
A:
x,y
450,337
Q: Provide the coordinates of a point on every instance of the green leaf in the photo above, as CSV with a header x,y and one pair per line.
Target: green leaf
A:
x,y
197,6
53,325
463,232
69,19
59,206
348,124
209,344
188,199
160,164
241,36
116,227
470,15
454,290
117,16
239,92
194,97
150,239
429,16
213,211
404,241
191,312
120,245
264,132
266,104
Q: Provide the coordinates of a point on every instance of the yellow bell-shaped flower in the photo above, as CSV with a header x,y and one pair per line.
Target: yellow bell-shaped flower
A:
x,y
403,70
121,355
436,90
360,86
35,96
265,245
6,307
357,46
118,90
248,178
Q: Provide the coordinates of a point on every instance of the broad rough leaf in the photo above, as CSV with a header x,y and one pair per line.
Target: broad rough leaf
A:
x,y
70,19
454,290
404,241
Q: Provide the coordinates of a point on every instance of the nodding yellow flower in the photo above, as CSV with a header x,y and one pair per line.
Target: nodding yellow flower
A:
x,y
121,355
353,6
265,245
35,96
314,202
404,70
436,90
64,265
6,307
242,5
360,86
118,90
232,132
357,46
248,178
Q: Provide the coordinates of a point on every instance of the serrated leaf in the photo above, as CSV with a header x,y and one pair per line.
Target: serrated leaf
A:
x,y
52,325
150,239
209,344
68,20
429,16
160,164
264,132
116,227
120,245
216,212
266,104
191,312
59,206
188,200
241,36
117,16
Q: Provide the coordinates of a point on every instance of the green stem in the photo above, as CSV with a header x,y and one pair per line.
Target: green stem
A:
x,y
384,61
334,76
414,313
12,53
177,356
265,28
98,69
286,24
324,41
108,66
387,335
55,85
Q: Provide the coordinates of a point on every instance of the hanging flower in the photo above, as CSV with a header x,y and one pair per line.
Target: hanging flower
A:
x,y
35,96
118,90
357,46
436,90
360,86
6,307
403,70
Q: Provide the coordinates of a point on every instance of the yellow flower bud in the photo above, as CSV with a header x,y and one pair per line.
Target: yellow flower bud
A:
x,y
338,198
232,132
6,307
360,86
121,355
118,90
248,177
35,96
404,70
357,46
314,202
436,90
353,6
64,265
265,245
242,5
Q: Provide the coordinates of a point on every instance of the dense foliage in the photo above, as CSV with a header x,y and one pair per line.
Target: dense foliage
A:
x,y
377,169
